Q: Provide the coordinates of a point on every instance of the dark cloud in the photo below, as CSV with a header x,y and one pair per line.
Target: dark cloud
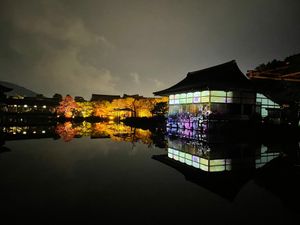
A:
x,y
137,46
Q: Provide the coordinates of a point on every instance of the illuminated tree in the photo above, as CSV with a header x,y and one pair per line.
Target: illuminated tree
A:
x,y
103,109
85,109
67,107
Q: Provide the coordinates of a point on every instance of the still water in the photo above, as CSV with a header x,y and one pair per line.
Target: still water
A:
x,y
108,173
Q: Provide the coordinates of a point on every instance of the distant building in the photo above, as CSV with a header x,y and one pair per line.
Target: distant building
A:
x,y
31,105
280,81
79,99
220,92
98,98
136,96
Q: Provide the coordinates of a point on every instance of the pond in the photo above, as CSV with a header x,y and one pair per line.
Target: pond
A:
x,y
91,173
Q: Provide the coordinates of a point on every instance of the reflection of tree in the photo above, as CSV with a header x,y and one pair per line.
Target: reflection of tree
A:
x,y
66,131
117,132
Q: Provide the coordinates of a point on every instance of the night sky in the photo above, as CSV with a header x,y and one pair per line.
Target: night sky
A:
x,y
80,47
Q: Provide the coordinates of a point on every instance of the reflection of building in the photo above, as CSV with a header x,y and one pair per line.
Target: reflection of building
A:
x,y
216,157
221,92
27,132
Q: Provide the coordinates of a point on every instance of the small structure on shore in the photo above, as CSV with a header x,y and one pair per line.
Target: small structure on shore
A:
x,y
218,93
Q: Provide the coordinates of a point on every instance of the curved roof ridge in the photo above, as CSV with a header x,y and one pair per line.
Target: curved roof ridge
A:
x,y
225,76
212,67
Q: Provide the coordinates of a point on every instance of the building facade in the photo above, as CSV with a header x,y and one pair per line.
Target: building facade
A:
x,y
221,92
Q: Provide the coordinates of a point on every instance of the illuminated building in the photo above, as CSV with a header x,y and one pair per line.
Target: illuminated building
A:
x,y
218,93
33,105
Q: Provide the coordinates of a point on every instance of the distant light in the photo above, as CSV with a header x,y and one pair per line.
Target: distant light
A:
x,y
34,132
25,106
43,132
34,106
14,132
15,105
24,132
44,106
21,119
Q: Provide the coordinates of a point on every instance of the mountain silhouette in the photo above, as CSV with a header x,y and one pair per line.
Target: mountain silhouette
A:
x,y
18,90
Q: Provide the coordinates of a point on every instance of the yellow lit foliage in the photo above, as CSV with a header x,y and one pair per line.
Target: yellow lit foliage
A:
x,y
85,109
118,108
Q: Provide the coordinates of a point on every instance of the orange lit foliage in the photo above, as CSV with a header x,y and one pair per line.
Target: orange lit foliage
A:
x,y
67,107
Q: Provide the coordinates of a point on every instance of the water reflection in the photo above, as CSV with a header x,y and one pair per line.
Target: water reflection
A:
x,y
225,166
215,167
68,131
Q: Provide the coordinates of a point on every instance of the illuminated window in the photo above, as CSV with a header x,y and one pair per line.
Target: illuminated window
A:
x,y
182,101
190,95
205,93
197,94
218,93
196,99
264,112
44,106
218,99
171,97
229,100
229,94
205,99
183,95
